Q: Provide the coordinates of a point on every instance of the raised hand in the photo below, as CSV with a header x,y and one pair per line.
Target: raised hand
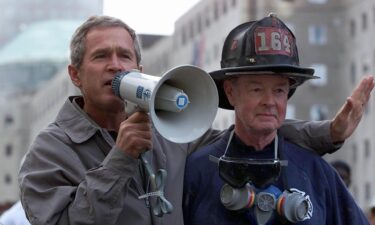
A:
x,y
348,117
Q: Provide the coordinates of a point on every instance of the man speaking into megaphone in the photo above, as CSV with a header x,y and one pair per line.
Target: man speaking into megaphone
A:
x,y
84,168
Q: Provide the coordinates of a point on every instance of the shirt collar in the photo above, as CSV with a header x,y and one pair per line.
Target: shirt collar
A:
x,y
75,122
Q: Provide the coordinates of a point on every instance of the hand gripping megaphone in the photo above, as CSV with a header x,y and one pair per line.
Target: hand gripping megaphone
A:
x,y
182,105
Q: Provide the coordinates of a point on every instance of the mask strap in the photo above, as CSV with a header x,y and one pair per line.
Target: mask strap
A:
x,y
276,147
276,144
215,159
284,178
229,141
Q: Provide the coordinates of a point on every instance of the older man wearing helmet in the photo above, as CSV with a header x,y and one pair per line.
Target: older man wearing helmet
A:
x,y
256,176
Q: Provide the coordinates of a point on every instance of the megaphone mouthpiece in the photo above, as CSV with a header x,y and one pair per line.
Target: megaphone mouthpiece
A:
x,y
116,82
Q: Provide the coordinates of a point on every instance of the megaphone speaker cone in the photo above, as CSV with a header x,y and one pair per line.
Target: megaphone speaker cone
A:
x,y
192,122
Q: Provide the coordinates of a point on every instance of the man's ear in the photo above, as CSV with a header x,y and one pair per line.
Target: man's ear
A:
x,y
140,68
73,73
228,89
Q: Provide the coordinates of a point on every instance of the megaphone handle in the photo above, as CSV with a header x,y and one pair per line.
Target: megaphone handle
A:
x,y
149,170
163,206
131,107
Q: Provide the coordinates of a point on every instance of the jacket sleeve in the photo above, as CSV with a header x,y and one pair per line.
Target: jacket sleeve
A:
x,y
56,187
341,206
313,135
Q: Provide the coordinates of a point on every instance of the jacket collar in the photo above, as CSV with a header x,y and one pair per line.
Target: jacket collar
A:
x,y
75,122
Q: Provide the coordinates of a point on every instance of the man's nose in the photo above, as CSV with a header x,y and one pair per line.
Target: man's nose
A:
x,y
268,98
115,64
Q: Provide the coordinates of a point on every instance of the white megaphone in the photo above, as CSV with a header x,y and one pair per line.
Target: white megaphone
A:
x,y
182,103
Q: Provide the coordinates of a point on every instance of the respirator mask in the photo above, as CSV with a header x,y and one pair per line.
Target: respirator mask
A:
x,y
249,187
291,205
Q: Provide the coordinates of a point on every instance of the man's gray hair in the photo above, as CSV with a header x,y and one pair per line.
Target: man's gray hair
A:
x,y
78,42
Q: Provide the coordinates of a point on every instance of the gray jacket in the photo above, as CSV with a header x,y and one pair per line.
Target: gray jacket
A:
x,y
73,173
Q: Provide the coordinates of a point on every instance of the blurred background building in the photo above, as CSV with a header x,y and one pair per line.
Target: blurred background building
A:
x,y
18,15
34,56
34,37
333,36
